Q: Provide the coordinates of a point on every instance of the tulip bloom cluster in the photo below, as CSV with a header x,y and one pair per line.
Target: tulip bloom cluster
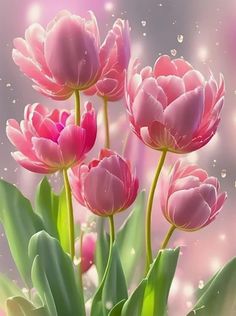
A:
x,y
171,108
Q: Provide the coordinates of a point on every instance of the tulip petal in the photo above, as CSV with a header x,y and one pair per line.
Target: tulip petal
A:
x,y
164,67
184,114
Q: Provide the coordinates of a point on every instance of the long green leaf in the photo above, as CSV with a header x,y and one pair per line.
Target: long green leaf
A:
x,y
20,223
8,289
102,248
113,290
53,276
130,238
46,205
159,280
218,297
19,306
116,310
63,223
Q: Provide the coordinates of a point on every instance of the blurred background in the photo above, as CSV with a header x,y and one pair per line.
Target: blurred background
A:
x,y
204,33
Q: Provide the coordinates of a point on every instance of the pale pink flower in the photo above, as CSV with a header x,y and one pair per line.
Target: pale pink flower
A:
x,y
111,82
172,107
63,58
88,251
190,199
49,141
106,186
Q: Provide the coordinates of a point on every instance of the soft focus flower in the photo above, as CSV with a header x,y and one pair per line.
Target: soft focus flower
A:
x,y
65,57
49,141
171,107
106,186
88,251
190,199
111,82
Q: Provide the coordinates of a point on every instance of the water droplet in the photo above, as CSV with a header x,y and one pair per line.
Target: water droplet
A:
x,y
109,305
14,101
180,38
144,23
160,5
214,163
144,34
5,169
223,173
173,52
132,251
8,85
201,284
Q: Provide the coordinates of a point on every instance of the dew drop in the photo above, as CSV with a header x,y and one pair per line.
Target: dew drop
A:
x,y
223,173
144,34
173,52
144,23
8,85
109,305
201,284
180,38
14,101
5,169
214,163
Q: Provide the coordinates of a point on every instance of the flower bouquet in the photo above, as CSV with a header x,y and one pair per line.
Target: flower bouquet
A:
x,y
172,108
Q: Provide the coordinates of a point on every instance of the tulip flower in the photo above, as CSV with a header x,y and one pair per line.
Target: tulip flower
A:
x,y
105,186
110,85
48,141
87,251
190,199
172,107
63,58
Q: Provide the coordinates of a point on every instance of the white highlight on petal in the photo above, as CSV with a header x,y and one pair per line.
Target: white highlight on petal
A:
x,y
34,12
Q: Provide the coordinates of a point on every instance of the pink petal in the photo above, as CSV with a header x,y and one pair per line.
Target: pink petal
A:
x,y
72,144
193,79
182,66
89,124
164,67
48,152
208,193
172,86
185,113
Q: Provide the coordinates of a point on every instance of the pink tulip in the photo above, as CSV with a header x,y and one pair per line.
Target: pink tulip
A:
x,y
49,141
87,251
106,186
190,199
111,82
63,58
171,107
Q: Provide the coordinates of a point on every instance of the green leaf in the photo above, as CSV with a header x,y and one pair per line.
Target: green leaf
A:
x,y
159,280
116,310
20,223
63,223
8,289
19,306
113,290
46,205
53,277
218,295
130,238
133,306
102,248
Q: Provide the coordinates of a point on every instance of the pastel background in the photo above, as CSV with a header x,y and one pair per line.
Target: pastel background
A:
x,y
204,33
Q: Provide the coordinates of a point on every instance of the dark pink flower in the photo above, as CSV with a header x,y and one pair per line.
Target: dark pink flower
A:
x,y
65,57
106,186
111,82
49,141
190,199
172,107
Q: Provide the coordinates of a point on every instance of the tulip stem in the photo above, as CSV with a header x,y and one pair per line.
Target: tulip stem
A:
x,y
149,258
112,228
70,214
77,107
167,237
106,122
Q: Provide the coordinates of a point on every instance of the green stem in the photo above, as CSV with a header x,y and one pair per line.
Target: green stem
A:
x,y
112,239
149,258
167,237
70,214
77,107
106,123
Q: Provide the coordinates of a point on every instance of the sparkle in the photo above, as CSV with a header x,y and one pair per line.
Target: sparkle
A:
x,y
109,6
34,12
202,53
